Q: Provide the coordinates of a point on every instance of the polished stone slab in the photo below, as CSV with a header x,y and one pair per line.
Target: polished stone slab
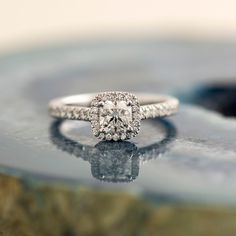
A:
x,y
189,158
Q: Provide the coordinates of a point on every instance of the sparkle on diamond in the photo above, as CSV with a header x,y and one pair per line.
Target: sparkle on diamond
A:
x,y
115,117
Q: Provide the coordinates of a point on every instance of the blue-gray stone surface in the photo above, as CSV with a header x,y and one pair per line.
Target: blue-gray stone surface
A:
x,y
197,163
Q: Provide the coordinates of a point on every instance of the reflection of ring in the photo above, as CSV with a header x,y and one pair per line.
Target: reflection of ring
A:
x,y
113,115
113,161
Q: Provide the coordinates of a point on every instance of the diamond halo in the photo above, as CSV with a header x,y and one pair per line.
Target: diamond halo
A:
x,y
115,116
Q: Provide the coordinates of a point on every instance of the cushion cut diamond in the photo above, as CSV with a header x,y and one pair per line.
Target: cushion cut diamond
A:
x,y
117,116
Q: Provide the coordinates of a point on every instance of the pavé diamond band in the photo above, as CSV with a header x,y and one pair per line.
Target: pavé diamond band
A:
x,y
113,115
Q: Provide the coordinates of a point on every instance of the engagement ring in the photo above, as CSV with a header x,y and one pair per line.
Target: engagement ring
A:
x,y
113,115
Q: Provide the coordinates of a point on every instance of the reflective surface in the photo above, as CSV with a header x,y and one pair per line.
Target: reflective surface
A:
x,y
114,161
200,163
175,178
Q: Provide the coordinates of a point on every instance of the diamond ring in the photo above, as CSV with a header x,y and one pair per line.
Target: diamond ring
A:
x,y
113,115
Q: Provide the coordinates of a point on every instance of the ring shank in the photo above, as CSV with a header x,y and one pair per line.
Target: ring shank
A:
x,y
77,107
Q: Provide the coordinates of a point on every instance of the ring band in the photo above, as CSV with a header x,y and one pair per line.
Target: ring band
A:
x,y
113,115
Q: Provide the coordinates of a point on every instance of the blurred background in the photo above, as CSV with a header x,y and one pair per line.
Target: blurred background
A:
x,y
30,22
177,177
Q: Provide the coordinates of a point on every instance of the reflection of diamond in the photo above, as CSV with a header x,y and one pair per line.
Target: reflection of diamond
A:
x,y
117,115
115,162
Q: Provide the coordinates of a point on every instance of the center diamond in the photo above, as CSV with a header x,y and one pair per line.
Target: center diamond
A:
x,y
116,116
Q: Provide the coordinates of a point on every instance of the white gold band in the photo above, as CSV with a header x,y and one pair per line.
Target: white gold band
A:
x,y
78,107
